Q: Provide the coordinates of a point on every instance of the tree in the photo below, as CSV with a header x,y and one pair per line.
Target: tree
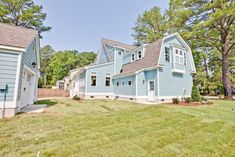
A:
x,y
23,13
150,26
64,61
45,56
211,21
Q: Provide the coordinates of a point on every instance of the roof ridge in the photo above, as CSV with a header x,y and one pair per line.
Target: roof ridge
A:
x,y
105,40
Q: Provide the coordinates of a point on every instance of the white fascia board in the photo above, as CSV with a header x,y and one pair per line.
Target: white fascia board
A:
x,y
116,77
10,49
98,65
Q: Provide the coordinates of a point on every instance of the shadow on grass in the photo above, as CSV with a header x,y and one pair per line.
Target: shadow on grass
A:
x,y
46,102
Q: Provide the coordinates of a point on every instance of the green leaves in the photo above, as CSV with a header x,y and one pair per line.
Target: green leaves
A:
x,y
56,65
150,26
23,13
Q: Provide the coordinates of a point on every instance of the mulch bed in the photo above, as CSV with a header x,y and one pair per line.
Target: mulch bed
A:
x,y
191,104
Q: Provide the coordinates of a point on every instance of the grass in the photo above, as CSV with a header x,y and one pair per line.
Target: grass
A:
x,y
119,129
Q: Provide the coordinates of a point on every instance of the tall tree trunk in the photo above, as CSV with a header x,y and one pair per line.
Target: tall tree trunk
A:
x,y
225,77
225,65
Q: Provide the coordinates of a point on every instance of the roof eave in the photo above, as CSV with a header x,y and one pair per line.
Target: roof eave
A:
x,y
12,48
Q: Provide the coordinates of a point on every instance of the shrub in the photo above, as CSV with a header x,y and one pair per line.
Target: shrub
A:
x,y
204,99
76,97
196,97
176,100
188,99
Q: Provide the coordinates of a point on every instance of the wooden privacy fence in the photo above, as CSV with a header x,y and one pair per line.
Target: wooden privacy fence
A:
x,y
44,93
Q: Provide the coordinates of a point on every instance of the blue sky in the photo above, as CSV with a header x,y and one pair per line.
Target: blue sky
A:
x,y
80,24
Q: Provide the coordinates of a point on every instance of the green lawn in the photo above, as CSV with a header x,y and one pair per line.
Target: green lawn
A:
x,y
115,128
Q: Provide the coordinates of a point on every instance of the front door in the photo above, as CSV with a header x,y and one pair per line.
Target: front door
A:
x,y
151,91
26,89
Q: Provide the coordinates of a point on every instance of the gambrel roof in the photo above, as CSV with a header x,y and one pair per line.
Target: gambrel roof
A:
x,y
17,37
152,57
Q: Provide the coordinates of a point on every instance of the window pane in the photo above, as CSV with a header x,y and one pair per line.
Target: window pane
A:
x,y
93,80
181,53
167,54
107,81
177,59
151,84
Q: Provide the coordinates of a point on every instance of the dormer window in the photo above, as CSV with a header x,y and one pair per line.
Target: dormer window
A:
x,y
179,57
167,54
132,57
139,54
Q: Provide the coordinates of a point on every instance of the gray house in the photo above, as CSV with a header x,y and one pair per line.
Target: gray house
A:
x,y
19,68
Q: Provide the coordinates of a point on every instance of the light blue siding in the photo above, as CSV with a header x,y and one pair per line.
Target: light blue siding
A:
x,y
8,69
28,58
128,90
127,58
142,84
82,82
118,61
101,71
111,51
172,84
152,76
103,57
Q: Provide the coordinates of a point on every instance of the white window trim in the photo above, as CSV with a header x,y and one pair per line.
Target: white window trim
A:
x,y
108,75
132,57
131,82
141,53
169,54
178,55
93,74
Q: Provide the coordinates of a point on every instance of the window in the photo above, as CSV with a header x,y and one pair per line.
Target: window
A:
x,y
167,54
107,80
123,83
129,83
28,78
143,81
117,83
139,54
185,59
133,57
179,57
93,79
119,53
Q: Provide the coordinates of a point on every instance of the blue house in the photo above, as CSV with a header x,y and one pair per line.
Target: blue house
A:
x,y
19,68
152,72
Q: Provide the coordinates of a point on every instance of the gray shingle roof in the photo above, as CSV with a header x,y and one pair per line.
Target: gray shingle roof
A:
x,y
118,44
150,59
14,36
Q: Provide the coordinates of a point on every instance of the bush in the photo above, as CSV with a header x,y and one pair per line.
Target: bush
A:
x,y
196,97
176,100
188,99
76,97
204,99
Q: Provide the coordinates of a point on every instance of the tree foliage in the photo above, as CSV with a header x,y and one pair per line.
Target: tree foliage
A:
x,y
56,65
23,13
150,26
